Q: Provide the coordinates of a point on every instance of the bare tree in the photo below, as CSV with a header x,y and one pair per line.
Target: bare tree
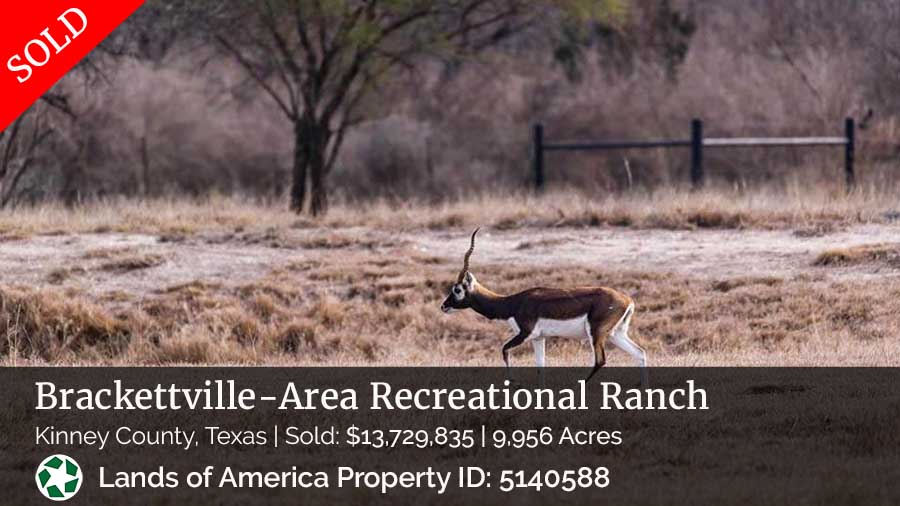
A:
x,y
23,144
18,149
30,142
319,59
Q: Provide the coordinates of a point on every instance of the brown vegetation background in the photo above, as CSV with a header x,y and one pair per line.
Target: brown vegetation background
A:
x,y
172,118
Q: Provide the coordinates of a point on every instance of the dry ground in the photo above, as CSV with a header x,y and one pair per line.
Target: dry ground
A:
x,y
740,280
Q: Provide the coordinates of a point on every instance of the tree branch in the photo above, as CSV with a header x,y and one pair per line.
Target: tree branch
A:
x,y
303,34
245,63
347,119
38,137
287,59
60,103
790,61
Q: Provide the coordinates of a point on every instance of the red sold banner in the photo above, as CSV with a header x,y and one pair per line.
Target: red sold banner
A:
x,y
42,40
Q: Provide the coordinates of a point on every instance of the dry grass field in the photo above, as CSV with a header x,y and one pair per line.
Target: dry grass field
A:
x,y
719,277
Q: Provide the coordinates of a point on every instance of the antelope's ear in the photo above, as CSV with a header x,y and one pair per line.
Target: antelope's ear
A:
x,y
469,280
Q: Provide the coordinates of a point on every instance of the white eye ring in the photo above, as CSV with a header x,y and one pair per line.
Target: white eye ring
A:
x,y
458,292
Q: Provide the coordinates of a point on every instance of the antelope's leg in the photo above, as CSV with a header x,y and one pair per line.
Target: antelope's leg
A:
x,y
599,358
625,343
540,359
619,337
598,328
539,356
512,343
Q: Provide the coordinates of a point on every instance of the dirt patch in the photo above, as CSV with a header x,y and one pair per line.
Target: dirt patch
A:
x,y
727,285
61,275
133,263
820,229
371,296
14,236
717,254
107,253
541,243
728,257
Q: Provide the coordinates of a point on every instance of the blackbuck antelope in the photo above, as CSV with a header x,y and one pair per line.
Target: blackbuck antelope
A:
x,y
592,313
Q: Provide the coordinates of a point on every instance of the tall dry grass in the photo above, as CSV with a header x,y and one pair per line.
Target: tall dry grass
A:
x,y
794,206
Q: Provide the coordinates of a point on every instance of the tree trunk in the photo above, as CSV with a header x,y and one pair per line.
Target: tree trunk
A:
x,y
319,191
318,154
301,161
310,150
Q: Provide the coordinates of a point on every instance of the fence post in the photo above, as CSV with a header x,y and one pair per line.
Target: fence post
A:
x,y
849,151
538,156
696,153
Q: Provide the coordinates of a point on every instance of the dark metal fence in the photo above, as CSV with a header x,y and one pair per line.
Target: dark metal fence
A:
x,y
697,143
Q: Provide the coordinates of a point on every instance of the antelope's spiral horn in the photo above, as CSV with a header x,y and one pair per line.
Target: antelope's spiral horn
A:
x,y
465,269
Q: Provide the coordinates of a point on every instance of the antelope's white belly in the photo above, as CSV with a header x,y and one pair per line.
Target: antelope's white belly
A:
x,y
545,327
573,327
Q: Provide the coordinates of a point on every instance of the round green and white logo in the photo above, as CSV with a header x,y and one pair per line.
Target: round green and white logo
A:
x,y
58,477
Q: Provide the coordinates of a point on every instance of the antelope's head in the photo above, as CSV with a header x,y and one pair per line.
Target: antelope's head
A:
x,y
461,291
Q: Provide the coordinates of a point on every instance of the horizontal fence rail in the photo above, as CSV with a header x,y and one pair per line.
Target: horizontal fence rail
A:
x,y
615,145
736,142
697,142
